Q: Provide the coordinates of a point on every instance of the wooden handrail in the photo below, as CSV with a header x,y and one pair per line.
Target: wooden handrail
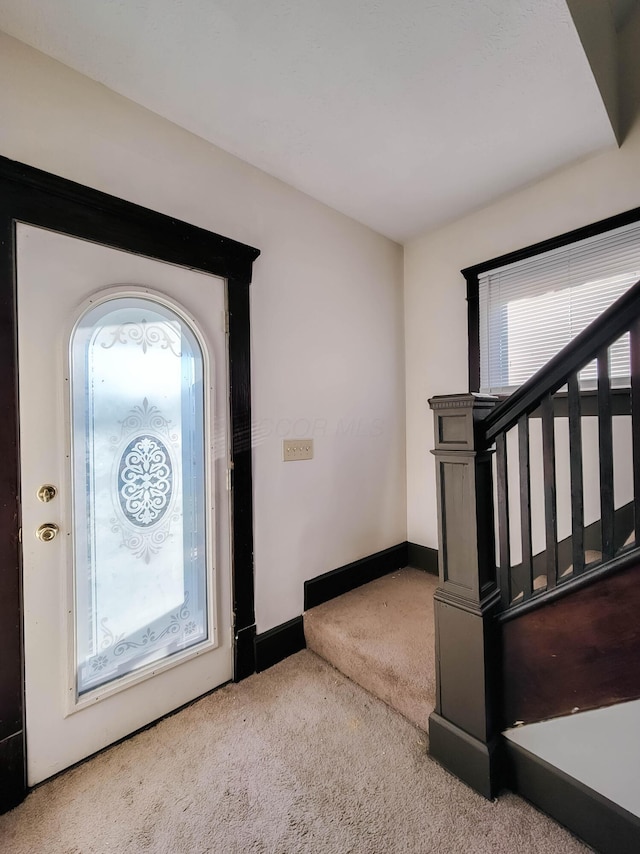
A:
x,y
584,348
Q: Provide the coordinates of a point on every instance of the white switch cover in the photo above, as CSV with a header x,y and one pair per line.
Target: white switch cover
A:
x,y
297,449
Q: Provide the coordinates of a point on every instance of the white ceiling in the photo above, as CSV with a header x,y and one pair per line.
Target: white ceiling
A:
x,y
400,113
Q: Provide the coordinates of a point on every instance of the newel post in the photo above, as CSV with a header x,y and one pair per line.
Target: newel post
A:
x,y
463,729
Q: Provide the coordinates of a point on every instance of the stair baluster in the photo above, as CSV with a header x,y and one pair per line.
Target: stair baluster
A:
x,y
550,509
635,422
524,459
575,464
605,447
503,521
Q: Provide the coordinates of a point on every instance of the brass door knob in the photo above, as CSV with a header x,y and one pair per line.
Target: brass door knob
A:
x,y
47,532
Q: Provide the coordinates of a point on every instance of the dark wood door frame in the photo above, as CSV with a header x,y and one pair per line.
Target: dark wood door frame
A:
x,y
35,197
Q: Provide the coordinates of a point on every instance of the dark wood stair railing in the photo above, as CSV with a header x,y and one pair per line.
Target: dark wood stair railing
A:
x,y
612,324
477,592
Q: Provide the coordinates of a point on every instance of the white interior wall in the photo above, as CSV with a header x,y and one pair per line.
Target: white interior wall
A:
x,y
326,315
435,305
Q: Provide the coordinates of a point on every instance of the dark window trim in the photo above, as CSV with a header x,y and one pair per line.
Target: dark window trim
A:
x,y
471,275
38,198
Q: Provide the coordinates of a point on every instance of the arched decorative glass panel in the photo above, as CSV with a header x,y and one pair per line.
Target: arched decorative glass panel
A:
x,y
139,428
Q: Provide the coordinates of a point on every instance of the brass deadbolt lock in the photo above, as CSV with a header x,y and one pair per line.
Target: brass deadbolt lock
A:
x,y
47,493
47,532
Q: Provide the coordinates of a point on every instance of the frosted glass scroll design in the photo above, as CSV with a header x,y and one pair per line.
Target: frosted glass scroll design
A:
x,y
145,481
148,454
139,475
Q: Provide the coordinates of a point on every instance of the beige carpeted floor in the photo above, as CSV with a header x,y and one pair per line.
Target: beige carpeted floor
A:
x,y
381,636
295,759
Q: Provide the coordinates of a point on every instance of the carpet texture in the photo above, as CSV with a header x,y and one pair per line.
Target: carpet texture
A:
x,y
295,759
381,636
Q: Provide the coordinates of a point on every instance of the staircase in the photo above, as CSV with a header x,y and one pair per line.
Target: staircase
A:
x,y
381,635
537,610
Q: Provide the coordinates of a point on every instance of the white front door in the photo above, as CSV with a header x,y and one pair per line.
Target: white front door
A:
x,y
125,511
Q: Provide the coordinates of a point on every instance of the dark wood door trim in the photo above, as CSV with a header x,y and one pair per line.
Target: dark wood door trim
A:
x,y
38,198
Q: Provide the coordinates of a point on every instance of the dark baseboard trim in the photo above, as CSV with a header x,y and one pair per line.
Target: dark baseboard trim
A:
x,y
279,643
244,653
422,557
338,581
477,764
602,824
13,789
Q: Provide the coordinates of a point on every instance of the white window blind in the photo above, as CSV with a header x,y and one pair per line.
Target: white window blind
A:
x,y
530,310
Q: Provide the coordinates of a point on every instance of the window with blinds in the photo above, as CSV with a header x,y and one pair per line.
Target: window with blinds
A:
x,y
531,309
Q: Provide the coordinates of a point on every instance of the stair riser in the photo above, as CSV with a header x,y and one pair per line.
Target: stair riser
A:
x,y
579,652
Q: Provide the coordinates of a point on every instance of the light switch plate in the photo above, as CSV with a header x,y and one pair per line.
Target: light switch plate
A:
x,y
297,449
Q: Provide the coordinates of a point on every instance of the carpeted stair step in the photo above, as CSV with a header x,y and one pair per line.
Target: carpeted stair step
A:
x,y
381,636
